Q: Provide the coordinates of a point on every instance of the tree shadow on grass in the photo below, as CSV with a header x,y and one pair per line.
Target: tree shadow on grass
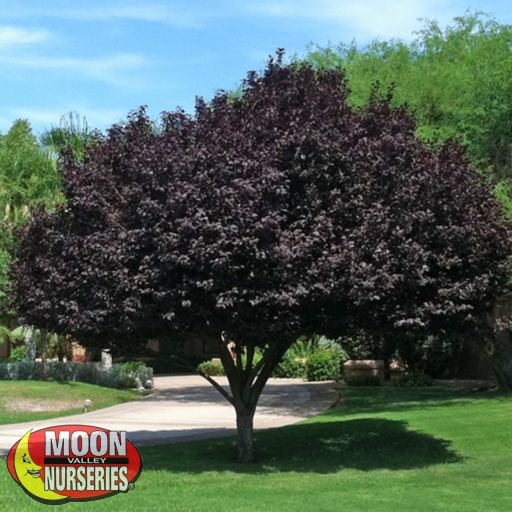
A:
x,y
320,447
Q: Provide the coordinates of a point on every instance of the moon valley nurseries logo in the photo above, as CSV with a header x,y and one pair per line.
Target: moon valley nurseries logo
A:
x,y
58,465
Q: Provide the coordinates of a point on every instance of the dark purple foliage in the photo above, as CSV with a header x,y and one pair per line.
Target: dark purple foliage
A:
x,y
282,212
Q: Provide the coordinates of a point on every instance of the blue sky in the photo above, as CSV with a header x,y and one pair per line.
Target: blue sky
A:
x,y
105,58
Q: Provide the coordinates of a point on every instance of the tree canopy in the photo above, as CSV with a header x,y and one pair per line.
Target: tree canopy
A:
x,y
458,81
281,212
28,174
28,177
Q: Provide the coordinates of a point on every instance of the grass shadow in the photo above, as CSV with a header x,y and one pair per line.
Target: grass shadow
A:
x,y
321,447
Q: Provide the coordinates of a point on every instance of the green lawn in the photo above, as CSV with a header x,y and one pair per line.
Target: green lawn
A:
x,y
383,449
19,398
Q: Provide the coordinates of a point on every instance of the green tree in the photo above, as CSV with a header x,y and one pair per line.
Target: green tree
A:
x,y
457,80
28,174
28,177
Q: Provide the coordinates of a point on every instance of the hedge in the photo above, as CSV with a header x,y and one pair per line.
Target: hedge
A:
x,y
125,375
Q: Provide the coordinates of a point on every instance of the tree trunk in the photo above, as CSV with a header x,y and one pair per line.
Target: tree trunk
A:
x,y
44,360
30,343
7,345
246,382
245,432
68,349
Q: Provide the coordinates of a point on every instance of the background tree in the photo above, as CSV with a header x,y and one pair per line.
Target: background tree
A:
x,y
28,177
280,213
28,174
457,80
73,131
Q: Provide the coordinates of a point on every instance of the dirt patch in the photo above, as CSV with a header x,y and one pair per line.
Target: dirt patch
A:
x,y
27,405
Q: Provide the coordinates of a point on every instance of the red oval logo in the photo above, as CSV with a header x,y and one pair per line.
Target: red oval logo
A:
x,y
58,465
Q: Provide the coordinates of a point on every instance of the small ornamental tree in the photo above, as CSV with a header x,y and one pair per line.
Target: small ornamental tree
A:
x,y
278,213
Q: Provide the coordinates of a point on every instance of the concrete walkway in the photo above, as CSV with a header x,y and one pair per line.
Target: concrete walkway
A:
x,y
183,408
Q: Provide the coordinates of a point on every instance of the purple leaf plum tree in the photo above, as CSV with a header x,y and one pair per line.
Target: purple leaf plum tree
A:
x,y
281,212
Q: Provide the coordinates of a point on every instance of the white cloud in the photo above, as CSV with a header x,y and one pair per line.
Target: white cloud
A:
x,y
105,68
388,18
13,36
179,13
146,12
91,66
368,18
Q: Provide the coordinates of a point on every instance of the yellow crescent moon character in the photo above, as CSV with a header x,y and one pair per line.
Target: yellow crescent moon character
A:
x,y
27,472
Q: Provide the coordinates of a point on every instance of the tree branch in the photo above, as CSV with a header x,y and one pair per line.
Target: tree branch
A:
x,y
239,362
213,382
258,366
245,382
222,391
273,360
250,359
229,366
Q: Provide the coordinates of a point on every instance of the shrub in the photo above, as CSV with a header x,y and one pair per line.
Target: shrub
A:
x,y
4,371
303,348
129,373
322,356
255,360
414,379
60,371
24,370
362,380
332,346
112,378
145,375
86,372
119,376
132,374
17,354
212,369
36,369
433,355
290,369
324,365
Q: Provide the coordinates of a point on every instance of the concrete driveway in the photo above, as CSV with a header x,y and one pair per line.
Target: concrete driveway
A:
x,y
183,408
